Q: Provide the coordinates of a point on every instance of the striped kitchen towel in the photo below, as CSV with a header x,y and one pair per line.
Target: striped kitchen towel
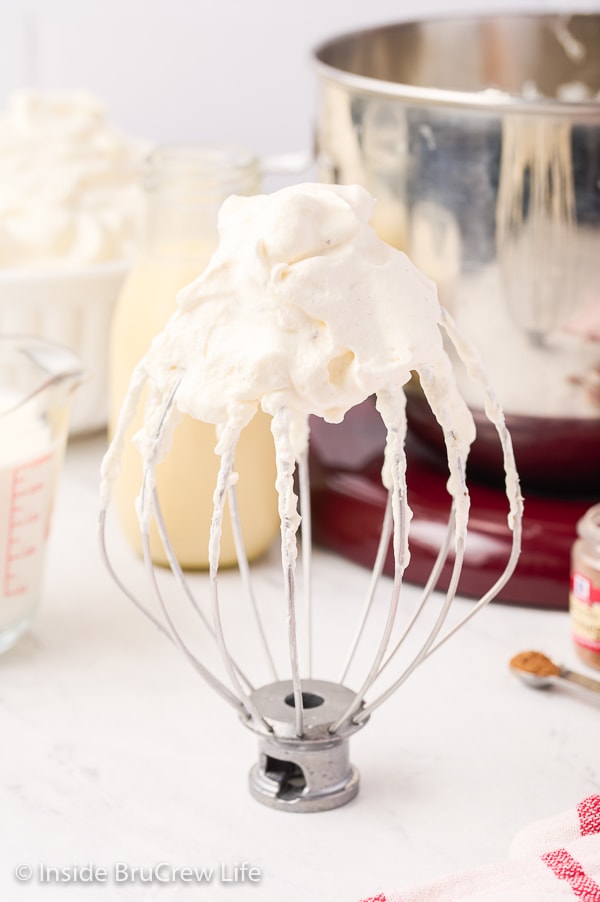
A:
x,y
554,859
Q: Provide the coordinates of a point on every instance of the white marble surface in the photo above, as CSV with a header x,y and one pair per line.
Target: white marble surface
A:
x,y
112,750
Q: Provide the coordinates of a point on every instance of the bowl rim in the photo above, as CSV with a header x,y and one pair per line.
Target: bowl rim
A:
x,y
72,272
493,100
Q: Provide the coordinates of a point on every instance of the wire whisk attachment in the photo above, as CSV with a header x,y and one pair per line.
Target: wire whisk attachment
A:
x,y
310,357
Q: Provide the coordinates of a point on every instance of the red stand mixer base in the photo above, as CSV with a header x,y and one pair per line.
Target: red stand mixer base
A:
x,y
348,503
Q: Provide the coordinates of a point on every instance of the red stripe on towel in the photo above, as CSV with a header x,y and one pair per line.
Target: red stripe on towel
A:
x,y
565,867
589,815
379,898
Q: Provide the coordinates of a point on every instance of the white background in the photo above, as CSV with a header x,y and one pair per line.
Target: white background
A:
x,y
204,70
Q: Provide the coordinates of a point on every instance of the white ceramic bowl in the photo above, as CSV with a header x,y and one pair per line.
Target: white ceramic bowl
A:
x,y
72,307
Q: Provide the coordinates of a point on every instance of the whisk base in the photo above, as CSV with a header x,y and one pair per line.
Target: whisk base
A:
x,y
311,772
267,791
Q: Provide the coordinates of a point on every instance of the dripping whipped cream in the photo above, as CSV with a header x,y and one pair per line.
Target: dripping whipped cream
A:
x,y
304,310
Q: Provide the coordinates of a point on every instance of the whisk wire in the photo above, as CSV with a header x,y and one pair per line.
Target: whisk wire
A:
x,y
286,464
146,508
176,636
244,570
203,671
400,519
169,631
384,541
183,583
119,582
427,644
304,490
492,592
467,352
485,599
290,595
224,478
428,589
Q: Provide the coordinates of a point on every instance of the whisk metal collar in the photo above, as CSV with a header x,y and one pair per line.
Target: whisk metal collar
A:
x,y
304,773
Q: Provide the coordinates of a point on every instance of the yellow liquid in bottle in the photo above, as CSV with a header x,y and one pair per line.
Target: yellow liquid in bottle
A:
x,y
186,479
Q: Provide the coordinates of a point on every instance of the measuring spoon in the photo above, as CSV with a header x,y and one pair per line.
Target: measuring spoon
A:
x,y
558,673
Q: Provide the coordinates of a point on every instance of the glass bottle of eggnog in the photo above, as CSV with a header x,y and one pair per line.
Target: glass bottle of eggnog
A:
x,y
185,188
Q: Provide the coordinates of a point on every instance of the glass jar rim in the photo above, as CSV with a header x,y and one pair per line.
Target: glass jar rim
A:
x,y
216,169
589,525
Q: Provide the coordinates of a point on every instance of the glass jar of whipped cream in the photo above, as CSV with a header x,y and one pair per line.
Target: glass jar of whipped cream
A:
x,y
584,602
185,186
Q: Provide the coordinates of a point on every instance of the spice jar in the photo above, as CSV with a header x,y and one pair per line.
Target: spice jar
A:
x,y
584,602
185,187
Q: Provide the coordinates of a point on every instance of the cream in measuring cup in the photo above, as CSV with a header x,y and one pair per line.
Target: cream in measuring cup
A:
x,y
36,382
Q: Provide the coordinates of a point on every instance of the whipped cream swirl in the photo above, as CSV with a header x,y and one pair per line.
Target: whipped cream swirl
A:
x,y
69,183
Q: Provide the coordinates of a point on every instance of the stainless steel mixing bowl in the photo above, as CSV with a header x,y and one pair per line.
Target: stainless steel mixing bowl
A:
x,y
480,139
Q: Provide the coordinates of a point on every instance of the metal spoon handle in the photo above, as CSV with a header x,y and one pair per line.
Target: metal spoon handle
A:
x,y
580,679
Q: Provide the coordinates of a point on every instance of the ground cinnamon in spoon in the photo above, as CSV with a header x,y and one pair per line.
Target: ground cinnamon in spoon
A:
x,y
535,662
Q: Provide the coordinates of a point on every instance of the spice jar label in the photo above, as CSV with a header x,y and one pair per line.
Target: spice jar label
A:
x,y
584,608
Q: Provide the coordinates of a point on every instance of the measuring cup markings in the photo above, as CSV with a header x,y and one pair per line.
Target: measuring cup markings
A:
x,y
37,379
27,488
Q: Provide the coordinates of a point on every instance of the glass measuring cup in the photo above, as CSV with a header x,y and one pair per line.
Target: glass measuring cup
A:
x,y
37,379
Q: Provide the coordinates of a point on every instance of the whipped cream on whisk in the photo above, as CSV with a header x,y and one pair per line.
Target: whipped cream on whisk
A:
x,y
304,310
69,183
